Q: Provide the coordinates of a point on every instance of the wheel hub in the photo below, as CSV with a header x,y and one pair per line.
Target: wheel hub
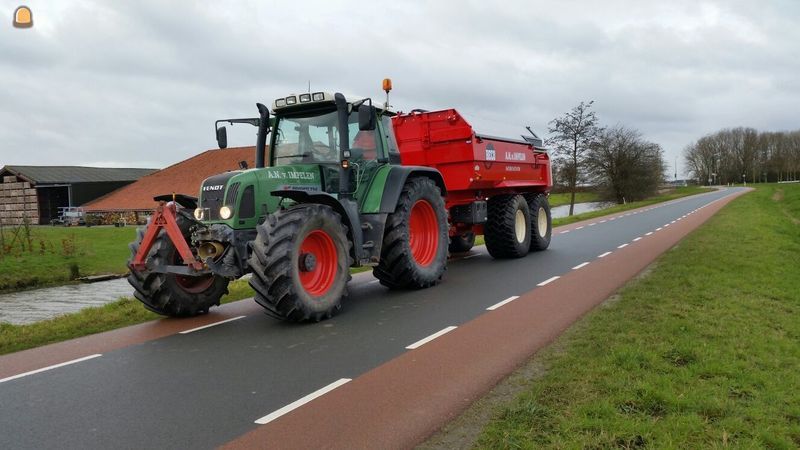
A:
x,y
520,226
542,219
308,262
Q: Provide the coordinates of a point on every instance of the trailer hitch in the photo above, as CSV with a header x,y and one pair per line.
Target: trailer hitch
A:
x,y
164,218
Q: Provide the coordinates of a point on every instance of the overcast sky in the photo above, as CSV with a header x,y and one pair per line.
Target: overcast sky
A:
x,y
139,84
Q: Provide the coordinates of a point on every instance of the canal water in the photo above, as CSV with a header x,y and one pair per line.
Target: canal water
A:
x,y
25,307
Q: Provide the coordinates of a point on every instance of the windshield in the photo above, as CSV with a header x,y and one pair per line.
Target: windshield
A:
x,y
314,139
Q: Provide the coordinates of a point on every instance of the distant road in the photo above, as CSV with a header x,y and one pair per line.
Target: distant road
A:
x,y
389,370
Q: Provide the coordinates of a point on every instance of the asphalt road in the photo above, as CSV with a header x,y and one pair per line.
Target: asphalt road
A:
x,y
207,387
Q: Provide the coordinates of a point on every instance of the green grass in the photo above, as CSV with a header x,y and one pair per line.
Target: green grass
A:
x,y
93,251
700,353
580,197
121,313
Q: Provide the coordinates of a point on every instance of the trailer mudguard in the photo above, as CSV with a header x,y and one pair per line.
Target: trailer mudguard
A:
x,y
396,179
346,208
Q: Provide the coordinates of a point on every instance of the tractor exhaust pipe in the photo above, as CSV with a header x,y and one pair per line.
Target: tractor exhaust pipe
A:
x,y
263,129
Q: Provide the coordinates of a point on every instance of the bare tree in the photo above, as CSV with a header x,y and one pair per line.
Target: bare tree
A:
x,y
625,166
571,137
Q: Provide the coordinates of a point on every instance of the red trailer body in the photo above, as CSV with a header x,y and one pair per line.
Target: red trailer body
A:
x,y
475,167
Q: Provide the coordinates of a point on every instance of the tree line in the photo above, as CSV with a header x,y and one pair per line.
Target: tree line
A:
x,y
736,155
617,160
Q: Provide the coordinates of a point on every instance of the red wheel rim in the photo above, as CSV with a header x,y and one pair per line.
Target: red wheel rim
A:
x,y
192,285
423,230
318,279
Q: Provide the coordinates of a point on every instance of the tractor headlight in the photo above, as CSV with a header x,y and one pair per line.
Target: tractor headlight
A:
x,y
198,213
225,212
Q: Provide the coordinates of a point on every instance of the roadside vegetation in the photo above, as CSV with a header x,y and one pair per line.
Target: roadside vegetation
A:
x,y
702,352
121,313
48,255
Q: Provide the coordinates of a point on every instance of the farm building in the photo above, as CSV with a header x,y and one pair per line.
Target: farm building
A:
x,y
135,201
36,192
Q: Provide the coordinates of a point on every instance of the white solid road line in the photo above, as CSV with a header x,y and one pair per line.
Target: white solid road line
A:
x,y
622,246
584,264
549,280
424,341
604,255
54,366
298,403
497,305
211,325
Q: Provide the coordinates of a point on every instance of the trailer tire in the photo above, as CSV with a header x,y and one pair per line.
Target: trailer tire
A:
x,y
301,263
414,252
170,294
462,243
541,222
508,232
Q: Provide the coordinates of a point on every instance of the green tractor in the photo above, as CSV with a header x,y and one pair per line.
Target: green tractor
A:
x,y
330,194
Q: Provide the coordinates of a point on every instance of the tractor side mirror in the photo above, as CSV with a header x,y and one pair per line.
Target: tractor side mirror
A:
x,y
366,117
222,137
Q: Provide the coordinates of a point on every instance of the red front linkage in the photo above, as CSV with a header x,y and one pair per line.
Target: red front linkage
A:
x,y
164,217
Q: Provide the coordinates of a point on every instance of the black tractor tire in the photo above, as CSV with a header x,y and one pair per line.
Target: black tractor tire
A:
x,y
301,263
418,259
541,230
462,243
170,294
507,231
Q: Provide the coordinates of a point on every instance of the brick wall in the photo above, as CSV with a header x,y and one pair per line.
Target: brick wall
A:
x,y
17,201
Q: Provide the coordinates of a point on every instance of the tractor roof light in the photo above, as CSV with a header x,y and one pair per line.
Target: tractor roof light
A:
x,y
291,100
305,98
279,103
318,96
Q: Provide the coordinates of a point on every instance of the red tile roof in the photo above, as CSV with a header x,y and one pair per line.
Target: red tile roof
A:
x,y
184,177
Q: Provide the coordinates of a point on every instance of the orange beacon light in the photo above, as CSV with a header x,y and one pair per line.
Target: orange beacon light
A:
x,y
23,18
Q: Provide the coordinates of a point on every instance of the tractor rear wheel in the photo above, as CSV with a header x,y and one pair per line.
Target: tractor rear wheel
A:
x,y
171,294
462,243
508,228
300,263
414,252
541,222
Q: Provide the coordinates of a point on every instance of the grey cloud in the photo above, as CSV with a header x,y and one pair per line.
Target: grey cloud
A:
x,y
140,83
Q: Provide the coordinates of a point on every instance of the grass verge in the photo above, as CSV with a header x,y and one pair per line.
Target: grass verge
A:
x,y
701,353
580,197
61,254
121,313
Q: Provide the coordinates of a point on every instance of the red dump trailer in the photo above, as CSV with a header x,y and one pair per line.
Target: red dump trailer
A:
x,y
493,183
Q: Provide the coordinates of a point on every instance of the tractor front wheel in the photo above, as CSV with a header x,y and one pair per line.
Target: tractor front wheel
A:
x,y
414,252
300,263
171,294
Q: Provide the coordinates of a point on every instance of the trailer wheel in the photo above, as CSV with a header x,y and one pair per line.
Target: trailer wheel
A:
x,y
171,294
414,252
462,243
541,222
300,263
508,231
